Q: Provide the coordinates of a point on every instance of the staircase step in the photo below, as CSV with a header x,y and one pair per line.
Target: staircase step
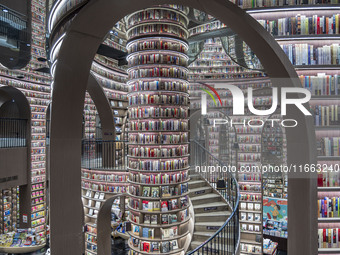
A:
x,y
208,226
211,207
196,184
204,199
202,236
213,249
200,191
195,177
207,217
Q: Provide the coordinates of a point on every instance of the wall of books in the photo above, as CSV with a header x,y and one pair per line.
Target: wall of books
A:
x,y
158,130
36,87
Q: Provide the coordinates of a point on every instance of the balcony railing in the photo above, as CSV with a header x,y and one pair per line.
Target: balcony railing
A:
x,y
101,154
13,132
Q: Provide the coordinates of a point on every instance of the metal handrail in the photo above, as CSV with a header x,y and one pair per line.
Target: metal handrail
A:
x,y
13,132
104,154
233,218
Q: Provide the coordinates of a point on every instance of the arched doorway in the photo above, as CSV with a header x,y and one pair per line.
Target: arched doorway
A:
x,y
75,57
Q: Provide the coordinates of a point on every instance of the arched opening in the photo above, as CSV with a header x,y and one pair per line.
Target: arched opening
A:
x,y
79,47
15,152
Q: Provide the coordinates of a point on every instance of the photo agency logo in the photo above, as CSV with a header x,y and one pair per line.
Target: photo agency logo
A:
x,y
239,99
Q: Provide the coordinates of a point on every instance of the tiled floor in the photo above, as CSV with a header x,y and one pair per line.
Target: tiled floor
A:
x,y
119,247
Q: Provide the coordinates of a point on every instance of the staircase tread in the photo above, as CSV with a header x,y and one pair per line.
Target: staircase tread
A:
x,y
200,188
215,223
211,214
197,181
210,205
204,233
205,196
198,243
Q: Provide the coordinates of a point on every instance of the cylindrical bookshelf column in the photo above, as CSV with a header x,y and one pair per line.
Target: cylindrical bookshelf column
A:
x,y
158,160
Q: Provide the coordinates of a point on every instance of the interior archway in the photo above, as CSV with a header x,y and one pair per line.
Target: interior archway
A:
x,y
79,47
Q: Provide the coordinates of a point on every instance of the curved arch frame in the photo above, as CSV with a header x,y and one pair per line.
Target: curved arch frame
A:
x,y
81,42
103,107
25,113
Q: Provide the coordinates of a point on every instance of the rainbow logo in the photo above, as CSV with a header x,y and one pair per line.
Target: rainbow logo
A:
x,y
210,94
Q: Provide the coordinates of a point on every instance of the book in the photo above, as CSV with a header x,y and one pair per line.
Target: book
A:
x,y
184,188
165,247
174,244
174,204
184,201
147,219
155,192
154,219
156,206
145,246
145,232
174,231
135,242
150,206
102,196
165,219
154,246
250,216
145,205
165,191
146,191
172,218
251,227
164,206
135,229
243,216
183,215
97,205
166,233
88,193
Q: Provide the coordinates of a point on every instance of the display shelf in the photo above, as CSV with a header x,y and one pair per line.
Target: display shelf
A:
x,y
320,8
159,240
328,220
154,253
249,232
158,211
158,184
329,250
328,158
328,189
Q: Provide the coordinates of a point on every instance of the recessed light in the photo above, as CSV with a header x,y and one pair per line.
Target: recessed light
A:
x,y
28,45
111,32
4,10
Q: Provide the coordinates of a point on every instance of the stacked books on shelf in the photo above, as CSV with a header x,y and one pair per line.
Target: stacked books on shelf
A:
x,y
329,146
302,25
308,54
158,109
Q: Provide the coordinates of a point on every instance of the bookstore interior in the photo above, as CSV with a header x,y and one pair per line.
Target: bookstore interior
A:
x,y
169,129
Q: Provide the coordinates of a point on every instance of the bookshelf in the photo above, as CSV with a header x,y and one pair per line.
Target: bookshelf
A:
x,y
36,87
251,214
97,187
158,130
309,36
